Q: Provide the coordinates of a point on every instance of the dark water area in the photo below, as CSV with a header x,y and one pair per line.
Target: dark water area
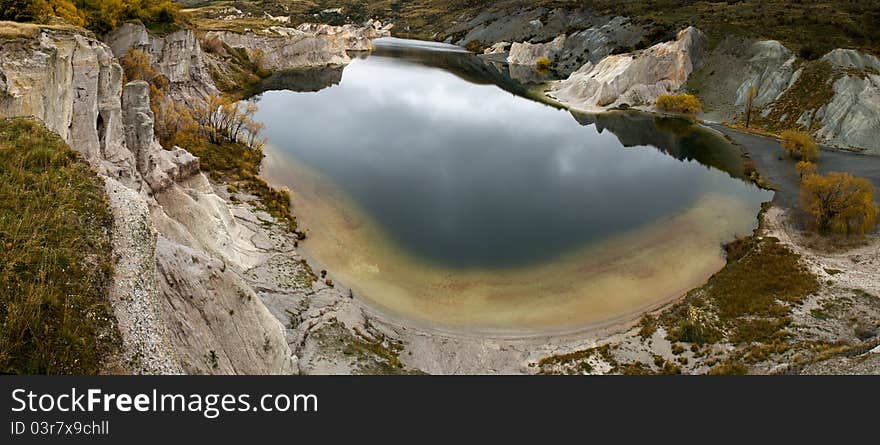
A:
x,y
455,166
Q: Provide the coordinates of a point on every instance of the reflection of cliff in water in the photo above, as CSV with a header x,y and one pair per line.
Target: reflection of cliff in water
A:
x,y
465,65
304,80
676,137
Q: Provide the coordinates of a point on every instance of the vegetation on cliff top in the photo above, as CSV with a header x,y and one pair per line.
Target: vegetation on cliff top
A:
x,y
55,261
100,16
811,27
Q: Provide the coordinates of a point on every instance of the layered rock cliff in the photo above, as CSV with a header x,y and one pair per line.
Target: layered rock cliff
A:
x,y
635,79
178,56
181,306
835,98
308,45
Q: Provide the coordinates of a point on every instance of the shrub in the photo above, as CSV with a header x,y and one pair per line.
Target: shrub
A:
x,y
840,203
679,103
100,16
800,145
805,169
543,64
40,11
474,46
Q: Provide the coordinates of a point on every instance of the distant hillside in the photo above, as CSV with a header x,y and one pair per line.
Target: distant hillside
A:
x,y
811,27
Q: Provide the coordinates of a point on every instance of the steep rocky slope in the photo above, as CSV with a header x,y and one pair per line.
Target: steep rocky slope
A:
x,y
835,97
634,79
184,291
309,45
72,83
178,56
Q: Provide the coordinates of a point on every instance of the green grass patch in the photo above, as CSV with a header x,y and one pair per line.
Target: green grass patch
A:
x,y
55,256
748,301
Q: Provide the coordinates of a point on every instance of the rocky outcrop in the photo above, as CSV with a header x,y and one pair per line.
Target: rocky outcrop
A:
x,y
71,83
770,71
309,45
160,168
636,79
597,42
852,59
735,67
533,25
178,56
836,98
359,38
498,48
181,304
852,117
595,36
525,53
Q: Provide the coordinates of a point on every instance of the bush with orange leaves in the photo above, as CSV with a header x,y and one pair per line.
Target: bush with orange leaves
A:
x,y
805,169
840,203
679,103
800,145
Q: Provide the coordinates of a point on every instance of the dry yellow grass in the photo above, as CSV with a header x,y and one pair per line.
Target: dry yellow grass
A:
x,y
16,30
55,256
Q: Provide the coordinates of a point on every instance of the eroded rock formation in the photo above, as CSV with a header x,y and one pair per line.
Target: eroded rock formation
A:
x,y
178,56
72,83
308,45
635,79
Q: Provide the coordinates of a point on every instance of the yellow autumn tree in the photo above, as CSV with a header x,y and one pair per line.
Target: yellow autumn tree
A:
x,y
805,169
800,145
840,203
40,11
679,103
543,64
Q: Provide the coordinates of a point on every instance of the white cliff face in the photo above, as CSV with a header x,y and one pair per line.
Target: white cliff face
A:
x,y
850,58
178,56
525,53
72,84
498,48
570,52
852,118
636,79
179,303
770,71
309,45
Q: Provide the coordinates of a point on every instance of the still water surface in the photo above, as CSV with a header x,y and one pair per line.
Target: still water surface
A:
x,y
430,185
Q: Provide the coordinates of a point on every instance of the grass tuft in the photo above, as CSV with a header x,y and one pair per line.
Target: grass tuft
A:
x,y
55,256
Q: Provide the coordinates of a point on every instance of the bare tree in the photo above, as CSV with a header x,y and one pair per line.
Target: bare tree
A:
x,y
750,98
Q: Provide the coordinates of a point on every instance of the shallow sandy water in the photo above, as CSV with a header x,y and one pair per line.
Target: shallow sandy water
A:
x,y
446,201
615,278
